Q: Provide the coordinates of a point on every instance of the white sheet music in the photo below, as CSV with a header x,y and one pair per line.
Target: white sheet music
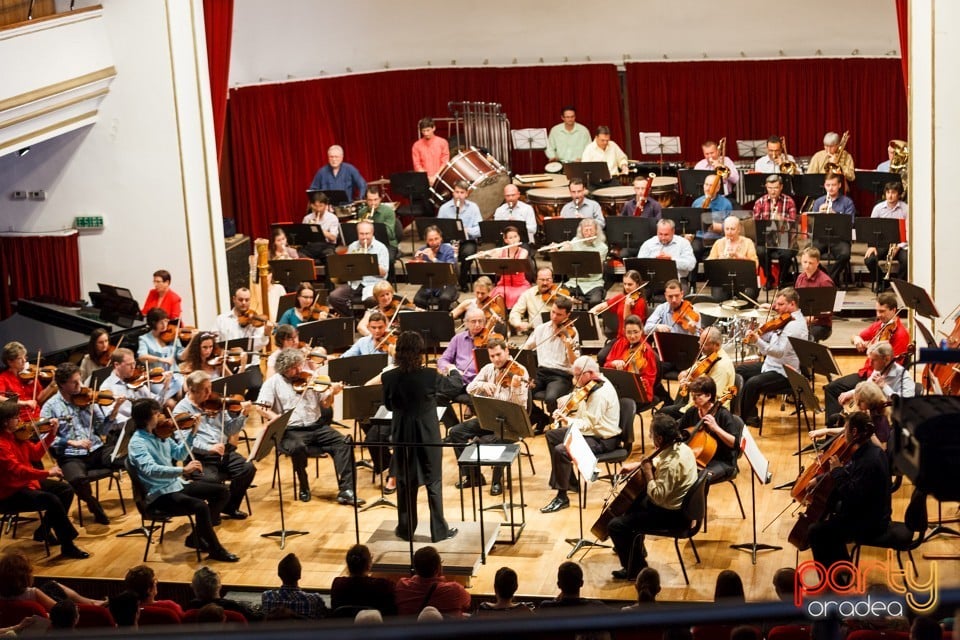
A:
x,y
529,139
581,454
838,301
758,462
488,452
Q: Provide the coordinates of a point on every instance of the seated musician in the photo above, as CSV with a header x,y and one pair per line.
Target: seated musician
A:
x,y
602,149
674,315
775,157
557,344
886,328
151,458
211,444
98,353
834,201
340,297
890,207
304,308
527,313
870,399
385,302
621,306
127,384
831,153
320,212
776,206
305,428
884,371
436,250
651,207
154,351
719,205
457,365
581,206
712,161
597,417
517,211
669,246
736,246
338,175
25,487
718,423
631,352
486,299
658,506
79,447
374,210
430,152
287,337
713,362
512,285
199,356
811,275
589,287
860,496
504,379
770,376
27,390
467,211
162,296
228,325
279,249
375,340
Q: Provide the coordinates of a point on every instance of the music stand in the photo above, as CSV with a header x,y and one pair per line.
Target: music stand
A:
x,y
503,267
691,181
414,186
814,301
450,228
269,439
360,403
879,233
357,370
829,228
585,460
805,399
99,375
238,383
679,349
754,184
576,264
333,334
628,233
875,181
628,385
777,234
685,219
381,418
432,275
652,143
809,185
300,234
591,173
816,358
915,298
529,140
585,324
290,273
434,326
559,229
348,231
751,148
733,275
351,267
336,197
490,229
512,423
761,471
655,271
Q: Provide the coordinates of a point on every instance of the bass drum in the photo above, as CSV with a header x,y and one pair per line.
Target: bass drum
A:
x,y
547,203
612,199
483,173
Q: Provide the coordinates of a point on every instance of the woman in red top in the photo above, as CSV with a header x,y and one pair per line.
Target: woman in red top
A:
x,y
23,487
630,352
163,296
512,286
29,393
621,306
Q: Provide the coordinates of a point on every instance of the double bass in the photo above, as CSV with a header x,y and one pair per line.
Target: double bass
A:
x,y
814,489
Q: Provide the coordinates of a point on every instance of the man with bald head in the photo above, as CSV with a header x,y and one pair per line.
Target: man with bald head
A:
x,y
831,152
338,175
513,209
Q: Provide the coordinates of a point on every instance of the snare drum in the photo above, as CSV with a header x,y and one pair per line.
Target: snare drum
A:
x,y
547,203
612,199
666,190
484,174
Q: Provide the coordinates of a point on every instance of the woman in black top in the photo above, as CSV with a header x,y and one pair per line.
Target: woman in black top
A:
x,y
719,424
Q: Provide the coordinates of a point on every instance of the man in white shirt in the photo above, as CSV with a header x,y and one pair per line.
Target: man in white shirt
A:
x,y
669,246
228,324
712,160
581,206
468,213
340,297
890,207
533,302
556,351
602,149
513,209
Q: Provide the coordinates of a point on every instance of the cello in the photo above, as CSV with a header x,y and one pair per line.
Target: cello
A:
x,y
701,441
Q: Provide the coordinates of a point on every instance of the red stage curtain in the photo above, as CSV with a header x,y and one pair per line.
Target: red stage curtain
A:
x,y
753,99
56,280
903,26
218,25
280,132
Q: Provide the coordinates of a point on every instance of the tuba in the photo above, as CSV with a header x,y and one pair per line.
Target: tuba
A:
x,y
833,168
788,166
901,156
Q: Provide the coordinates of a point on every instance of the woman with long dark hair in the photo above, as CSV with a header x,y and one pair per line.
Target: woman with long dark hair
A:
x,y
409,391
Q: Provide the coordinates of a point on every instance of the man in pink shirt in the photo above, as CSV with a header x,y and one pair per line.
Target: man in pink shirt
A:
x,y
430,152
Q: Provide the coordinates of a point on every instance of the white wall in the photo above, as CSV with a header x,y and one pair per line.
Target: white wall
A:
x,y
305,38
144,166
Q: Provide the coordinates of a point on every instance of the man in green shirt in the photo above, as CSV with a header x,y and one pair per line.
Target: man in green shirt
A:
x,y
568,139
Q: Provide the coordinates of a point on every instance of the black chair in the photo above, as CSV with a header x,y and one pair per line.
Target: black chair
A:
x,y
628,409
901,536
94,477
736,469
693,508
154,515
10,519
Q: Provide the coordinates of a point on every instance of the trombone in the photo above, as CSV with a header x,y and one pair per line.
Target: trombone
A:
x,y
788,166
834,168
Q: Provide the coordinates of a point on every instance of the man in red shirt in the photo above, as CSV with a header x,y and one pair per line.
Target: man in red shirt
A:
x,y
430,152
428,587
811,275
163,296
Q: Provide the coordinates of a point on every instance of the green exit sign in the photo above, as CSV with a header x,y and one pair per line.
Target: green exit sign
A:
x,y
88,222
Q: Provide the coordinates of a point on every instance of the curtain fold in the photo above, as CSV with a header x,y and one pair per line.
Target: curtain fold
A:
x,y
218,25
56,280
903,29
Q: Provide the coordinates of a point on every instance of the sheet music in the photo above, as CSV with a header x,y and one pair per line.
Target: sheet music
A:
x,y
758,462
488,452
581,454
529,139
838,301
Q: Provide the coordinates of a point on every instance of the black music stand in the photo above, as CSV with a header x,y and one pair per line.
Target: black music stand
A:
x,y
754,184
336,197
685,219
381,418
99,375
238,383
691,181
301,234
360,403
628,385
829,228
333,334
351,267
434,326
879,233
815,358
761,472
875,181
679,349
290,273
432,275
503,267
357,370
805,399
628,233
450,228
269,439
735,276
809,185
560,229
348,230
490,229
591,173
512,423
777,234
915,298
576,264
655,271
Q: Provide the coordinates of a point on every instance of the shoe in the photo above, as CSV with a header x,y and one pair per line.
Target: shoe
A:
x,y
752,422
400,535
467,481
622,574
555,505
496,489
223,555
70,550
51,538
191,543
539,430
347,497
236,514
99,516
305,495
389,491
451,533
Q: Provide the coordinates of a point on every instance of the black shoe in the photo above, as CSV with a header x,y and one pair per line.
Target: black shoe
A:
x,y
555,505
304,495
388,491
51,538
539,430
70,550
223,555
191,543
347,497
99,516
236,514
451,533
402,536
622,574
496,489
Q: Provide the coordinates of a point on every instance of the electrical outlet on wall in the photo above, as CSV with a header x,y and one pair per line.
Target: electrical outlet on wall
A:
x,y
18,195
38,195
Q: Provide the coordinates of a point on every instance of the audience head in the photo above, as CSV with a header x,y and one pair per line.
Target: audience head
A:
x,y
426,562
64,615
142,581
289,570
570,578
729,586
430,614
16,573
924,628
359,560
505,583
745,632
647,585
211,613
125,609
206,584
783,583
368,616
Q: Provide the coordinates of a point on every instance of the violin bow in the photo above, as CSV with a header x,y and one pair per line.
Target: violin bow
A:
x,y
176,436
36,378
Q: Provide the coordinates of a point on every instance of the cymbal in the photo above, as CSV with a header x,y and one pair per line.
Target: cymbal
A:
x,y
380,182
752,314
715,310
733,304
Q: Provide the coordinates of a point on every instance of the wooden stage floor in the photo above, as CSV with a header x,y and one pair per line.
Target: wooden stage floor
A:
x,y
538,551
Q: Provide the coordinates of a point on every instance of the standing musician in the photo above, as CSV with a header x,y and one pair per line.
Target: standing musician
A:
x,y
882,369
127,384
774,344
832,154
458,364
662,496
386,302
733,246
834,202
866,397
557,344
567,140
14,381
430,152
154,351
162,296
484,299
776,206
151,458
718,423
199,355
211,444
79,447
304,309
651,207
811,275
712,160
534,301
340,297
305,428
589,288
516,210
631,352
669,246
240,322
713,362
467,211
602,149
886,328
581,206
25,487
98,353
775,157
860,497
338,175
675,315
595,411
375,211
435,250
504,379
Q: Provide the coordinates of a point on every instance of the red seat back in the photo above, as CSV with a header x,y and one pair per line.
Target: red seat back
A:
x,y
13,611
150,615
92,616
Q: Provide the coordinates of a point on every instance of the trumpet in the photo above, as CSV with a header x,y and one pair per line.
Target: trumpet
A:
x,y
788,166
833,167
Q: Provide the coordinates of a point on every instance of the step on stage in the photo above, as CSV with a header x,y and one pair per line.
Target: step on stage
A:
x,y
461,555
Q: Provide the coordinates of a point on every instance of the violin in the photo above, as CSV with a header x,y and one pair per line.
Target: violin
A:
x,y
169,334
307,381
87,396
180,422
25,430
494,307
480,340
215,403
701,441
701,368
397,305
43,374
104,358
250,318
573,401
186,334
555,290
142,377
686,317
315,355
632,298
509,372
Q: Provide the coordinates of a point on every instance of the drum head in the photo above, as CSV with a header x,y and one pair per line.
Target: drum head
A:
x,y
554,167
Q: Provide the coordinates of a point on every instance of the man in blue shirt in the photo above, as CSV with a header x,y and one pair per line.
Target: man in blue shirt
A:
x,y
338,175
436,250
719,207
467,211
836,250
